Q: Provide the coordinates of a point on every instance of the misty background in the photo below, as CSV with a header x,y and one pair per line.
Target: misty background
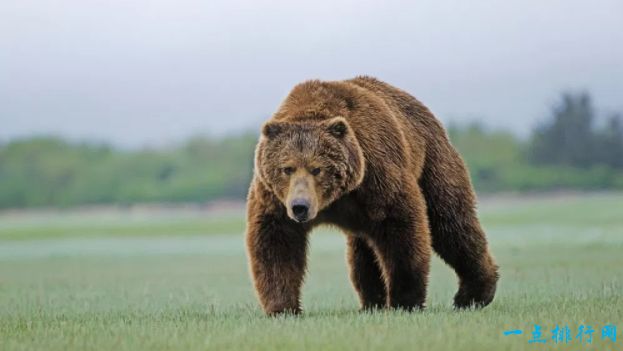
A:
x,y
136,73
141,101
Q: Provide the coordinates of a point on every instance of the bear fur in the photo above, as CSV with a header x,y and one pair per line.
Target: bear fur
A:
x,y
372,160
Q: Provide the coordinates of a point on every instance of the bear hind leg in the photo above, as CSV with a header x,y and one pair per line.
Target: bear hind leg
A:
x,y
457,236
365,273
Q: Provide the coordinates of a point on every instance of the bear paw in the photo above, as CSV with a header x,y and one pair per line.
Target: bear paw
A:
x,y
476,294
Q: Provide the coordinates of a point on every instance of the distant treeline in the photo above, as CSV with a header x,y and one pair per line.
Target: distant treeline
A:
x,y
54,172
569,150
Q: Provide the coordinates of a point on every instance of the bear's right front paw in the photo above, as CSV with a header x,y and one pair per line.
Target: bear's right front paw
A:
x,y
284,312
282,309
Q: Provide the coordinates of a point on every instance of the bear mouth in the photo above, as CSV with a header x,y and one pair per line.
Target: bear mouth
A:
x,y
300,219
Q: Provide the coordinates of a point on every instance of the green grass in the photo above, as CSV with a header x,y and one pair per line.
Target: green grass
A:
x,y
67,224
560,259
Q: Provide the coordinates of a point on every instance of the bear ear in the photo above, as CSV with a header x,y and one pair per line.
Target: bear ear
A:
x,y
337,127
272,129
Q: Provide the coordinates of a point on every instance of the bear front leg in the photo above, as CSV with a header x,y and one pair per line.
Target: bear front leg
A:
x,y
277,255
403,244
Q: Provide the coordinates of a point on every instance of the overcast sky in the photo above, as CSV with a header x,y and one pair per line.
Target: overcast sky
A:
x,y
152,72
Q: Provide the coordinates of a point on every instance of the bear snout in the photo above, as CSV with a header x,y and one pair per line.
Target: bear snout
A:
x,y
300,209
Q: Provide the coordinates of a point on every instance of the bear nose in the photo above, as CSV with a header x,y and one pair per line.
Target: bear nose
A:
x,y
300,209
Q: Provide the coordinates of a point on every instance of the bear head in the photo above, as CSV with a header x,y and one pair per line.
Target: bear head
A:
x,y
309,164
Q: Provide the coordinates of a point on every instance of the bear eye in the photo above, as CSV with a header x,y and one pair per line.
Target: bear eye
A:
x,y
288,170
315,171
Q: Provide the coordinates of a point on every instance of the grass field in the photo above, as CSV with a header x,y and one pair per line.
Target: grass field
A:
x,y
177,280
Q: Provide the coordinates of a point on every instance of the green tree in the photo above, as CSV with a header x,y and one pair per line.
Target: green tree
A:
x,y
609,144
567,138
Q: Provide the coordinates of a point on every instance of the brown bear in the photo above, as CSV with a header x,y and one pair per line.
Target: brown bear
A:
x,y
370,159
